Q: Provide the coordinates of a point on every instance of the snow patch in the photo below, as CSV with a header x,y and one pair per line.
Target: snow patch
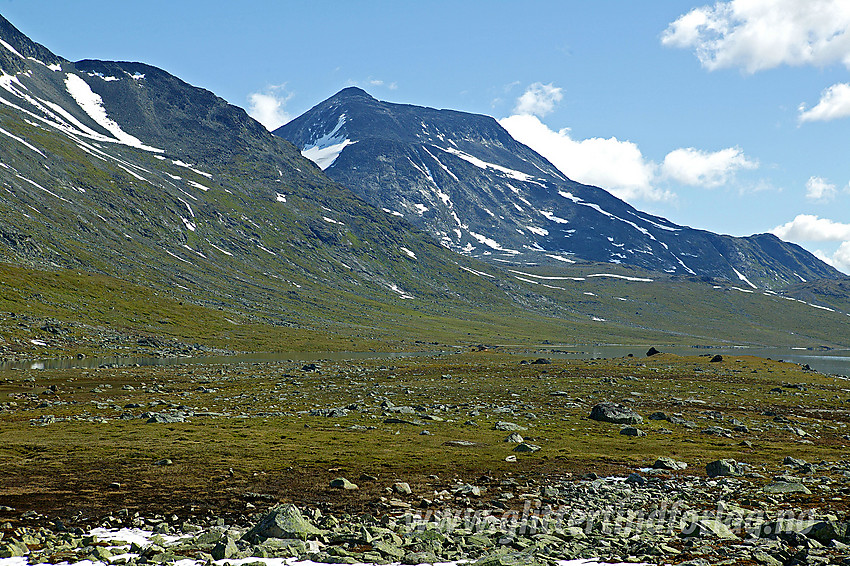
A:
x,y
280,197
491,243
551,217
393,212
513,174
744,279
198,185
24,142
92,104
10,48
560,258
332,221
538,231
324,150
408,252
624,277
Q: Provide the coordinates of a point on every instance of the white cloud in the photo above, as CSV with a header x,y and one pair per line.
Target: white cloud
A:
x,y
834,103
810,228
840,260
269,107
694,167
763,34
539,99
615,165
818,188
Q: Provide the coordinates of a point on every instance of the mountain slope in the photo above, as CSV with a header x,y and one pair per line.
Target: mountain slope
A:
x,y
467,182
125,169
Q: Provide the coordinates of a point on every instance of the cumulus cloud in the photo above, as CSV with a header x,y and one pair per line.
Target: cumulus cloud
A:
x,y
539,99
269,106
617,166
763,34
694,167
810,228
834,103
818,188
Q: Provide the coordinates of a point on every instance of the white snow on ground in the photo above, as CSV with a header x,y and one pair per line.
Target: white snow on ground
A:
x,y
393,212
175,256
23,141
627,278
656,224
553,218
518,175
440,163
742,290
190,167
198,185
801,279
744,279
408,252
332,221
561,278
599,209
478,273
189,224
491,243
324,150
92,104
538,231
266,250
597,319
280,197
225,252
402,294
325,156
55,67
51,193
38,342
560,258
10,48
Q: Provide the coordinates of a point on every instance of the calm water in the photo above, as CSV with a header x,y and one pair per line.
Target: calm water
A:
x,y
825,361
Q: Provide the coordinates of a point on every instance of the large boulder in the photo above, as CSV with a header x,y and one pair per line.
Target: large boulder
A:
x,y
284,522
608,412
726,467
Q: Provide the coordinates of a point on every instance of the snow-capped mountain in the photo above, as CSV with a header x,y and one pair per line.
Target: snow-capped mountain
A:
x,y
478,191
124,169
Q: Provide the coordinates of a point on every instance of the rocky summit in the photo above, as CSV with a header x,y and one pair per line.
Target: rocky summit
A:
x,y
477,191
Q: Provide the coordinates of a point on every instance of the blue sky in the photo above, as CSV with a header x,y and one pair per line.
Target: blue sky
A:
x,y
730,116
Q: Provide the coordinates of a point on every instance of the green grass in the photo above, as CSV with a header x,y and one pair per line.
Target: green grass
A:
x,y
274,446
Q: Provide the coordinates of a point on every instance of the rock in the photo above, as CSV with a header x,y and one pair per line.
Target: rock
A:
x,y
468,489
526,447
542,361
716,358
402,488
786,487
651,352
514,438
709,528
458,443
665,463
163,418
726,467
717,431
163,462
636,479
632,431
765,558
613,413
343,483
658,416
284,522
505,426
226,548
791,461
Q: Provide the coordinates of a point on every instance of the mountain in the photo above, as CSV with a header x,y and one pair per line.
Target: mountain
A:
x,y
138,209
476,190
123,169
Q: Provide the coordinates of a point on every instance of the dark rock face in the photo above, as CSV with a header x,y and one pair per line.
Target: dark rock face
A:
x,y
478,191
613,413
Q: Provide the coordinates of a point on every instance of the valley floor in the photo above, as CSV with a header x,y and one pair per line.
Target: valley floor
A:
x,y
481,432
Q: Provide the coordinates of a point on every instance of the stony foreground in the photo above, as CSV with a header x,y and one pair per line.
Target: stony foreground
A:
x,y
479,456
649,517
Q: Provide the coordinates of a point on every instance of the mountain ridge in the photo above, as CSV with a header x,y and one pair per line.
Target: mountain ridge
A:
x,y
467,182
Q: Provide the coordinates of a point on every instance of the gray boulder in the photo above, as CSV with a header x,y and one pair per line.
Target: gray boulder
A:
x,y
726,467
284,522
608,412
665,463
631,431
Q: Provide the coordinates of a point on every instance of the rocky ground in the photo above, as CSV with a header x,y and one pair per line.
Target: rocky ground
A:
x,y
480,456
